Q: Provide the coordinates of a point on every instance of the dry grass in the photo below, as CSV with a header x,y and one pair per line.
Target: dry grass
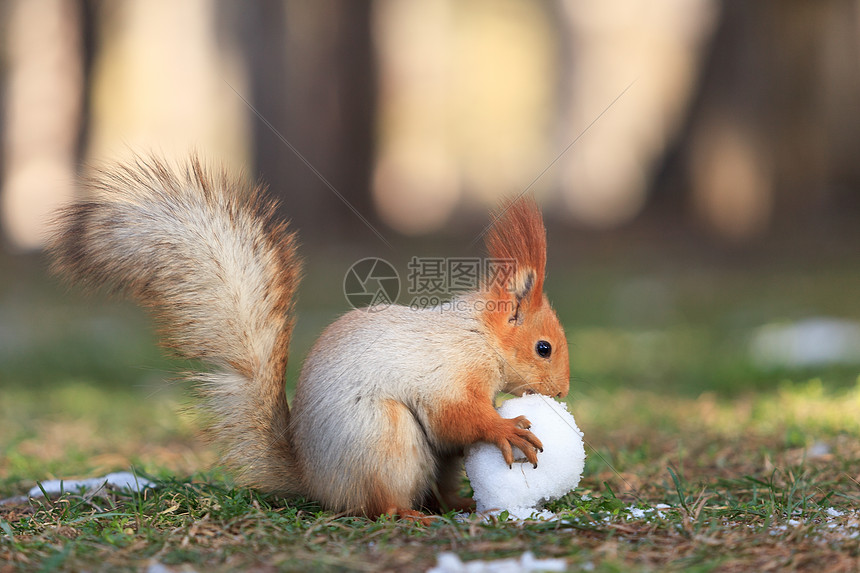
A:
x,y
750,483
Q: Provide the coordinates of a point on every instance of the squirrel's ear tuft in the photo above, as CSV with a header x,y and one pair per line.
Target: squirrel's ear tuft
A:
x,y
518,236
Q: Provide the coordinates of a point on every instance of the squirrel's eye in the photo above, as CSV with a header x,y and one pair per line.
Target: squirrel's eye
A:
x,y
543,348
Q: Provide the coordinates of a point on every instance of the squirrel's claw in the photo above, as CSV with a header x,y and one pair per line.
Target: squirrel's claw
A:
x,y
522,422
514,433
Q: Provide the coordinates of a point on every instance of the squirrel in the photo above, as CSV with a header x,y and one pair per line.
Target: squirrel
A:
x,y
386,401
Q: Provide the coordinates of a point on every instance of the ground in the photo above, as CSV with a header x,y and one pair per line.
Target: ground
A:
x,y
700,458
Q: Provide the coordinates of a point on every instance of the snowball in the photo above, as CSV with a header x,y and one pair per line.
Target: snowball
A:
x,y
522,489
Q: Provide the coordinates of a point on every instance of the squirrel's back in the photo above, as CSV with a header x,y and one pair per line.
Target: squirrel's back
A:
x,y
206,253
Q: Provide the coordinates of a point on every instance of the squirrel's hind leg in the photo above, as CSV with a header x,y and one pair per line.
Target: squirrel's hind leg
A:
x,y
445,496
409,514
403,466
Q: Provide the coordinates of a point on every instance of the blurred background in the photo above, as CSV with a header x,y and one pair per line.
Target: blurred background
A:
x,y
697,161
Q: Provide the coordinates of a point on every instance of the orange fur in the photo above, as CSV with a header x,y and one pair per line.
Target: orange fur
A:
x,y
518,234
472,418
518,313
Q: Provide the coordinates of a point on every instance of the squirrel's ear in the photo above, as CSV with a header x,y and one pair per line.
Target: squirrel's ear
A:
x,y
521,286
516,243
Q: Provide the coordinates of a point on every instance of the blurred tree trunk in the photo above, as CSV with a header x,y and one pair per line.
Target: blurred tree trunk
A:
x,y
43,57
771,139
312,77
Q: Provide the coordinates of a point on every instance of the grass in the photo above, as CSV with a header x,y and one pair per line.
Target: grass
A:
x,y
738,488
698,459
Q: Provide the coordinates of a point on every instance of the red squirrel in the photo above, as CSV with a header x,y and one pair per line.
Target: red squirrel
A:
x,y
386,401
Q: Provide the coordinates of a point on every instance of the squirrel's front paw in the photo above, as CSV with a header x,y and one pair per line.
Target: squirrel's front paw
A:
x,y
513,433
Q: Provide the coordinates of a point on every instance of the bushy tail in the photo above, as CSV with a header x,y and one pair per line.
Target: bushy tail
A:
x,y
207,254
